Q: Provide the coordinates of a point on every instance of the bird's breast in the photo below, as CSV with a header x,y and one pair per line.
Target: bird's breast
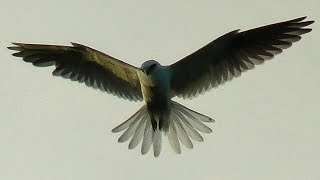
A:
x,y
156,89
155,93
157,97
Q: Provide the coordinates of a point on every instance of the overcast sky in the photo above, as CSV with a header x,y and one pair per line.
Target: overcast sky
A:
x,y
267,121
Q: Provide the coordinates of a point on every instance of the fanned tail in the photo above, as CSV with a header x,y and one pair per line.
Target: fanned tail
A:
x,y
184,125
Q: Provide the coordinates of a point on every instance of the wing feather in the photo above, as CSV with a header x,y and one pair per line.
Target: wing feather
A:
x,y
85,65
231,54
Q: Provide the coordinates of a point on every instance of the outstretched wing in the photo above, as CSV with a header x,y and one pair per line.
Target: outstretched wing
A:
x,y
84,64
231,54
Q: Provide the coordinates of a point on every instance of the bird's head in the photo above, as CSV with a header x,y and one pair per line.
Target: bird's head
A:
x,y
149,67
153,73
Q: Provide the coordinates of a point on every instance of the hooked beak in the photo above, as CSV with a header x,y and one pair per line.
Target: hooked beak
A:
x,y
145,71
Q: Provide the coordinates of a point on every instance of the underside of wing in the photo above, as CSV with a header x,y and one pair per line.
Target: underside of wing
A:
x,y
83,64
231,54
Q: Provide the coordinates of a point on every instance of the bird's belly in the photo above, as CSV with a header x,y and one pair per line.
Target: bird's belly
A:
x,y
158,104
157,99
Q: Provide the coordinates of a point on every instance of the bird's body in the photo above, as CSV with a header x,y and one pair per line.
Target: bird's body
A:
x,y
156,92
219,61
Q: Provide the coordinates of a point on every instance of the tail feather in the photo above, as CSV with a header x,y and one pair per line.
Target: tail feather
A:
x,y
200,126
194,122
173,139
138,135
182,135
148,137
193,114
128,122
157,140
189,128
184,125
131,130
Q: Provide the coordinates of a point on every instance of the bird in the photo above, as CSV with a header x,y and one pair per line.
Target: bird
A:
x,y
221,60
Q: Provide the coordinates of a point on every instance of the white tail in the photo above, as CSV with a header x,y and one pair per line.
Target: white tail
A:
x,y
184,125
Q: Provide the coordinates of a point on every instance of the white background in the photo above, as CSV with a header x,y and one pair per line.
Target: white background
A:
x,y
267,121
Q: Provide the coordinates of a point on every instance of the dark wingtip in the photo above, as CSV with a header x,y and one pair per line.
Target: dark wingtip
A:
x,y
17,54
299,19
17,44
310,22
308,30
12,48
75,44
15,48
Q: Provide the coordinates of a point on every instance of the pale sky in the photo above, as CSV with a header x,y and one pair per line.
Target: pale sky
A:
x,y
267,121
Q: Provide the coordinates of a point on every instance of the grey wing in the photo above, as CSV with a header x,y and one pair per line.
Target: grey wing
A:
x,y
83,64
231,54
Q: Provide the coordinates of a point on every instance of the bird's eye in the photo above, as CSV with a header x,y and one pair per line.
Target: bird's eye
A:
x,y
152,67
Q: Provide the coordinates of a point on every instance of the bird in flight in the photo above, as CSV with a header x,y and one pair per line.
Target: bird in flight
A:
x,y
217,62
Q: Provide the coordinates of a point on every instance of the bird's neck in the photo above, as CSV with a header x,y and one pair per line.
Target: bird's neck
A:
x,y
157,86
